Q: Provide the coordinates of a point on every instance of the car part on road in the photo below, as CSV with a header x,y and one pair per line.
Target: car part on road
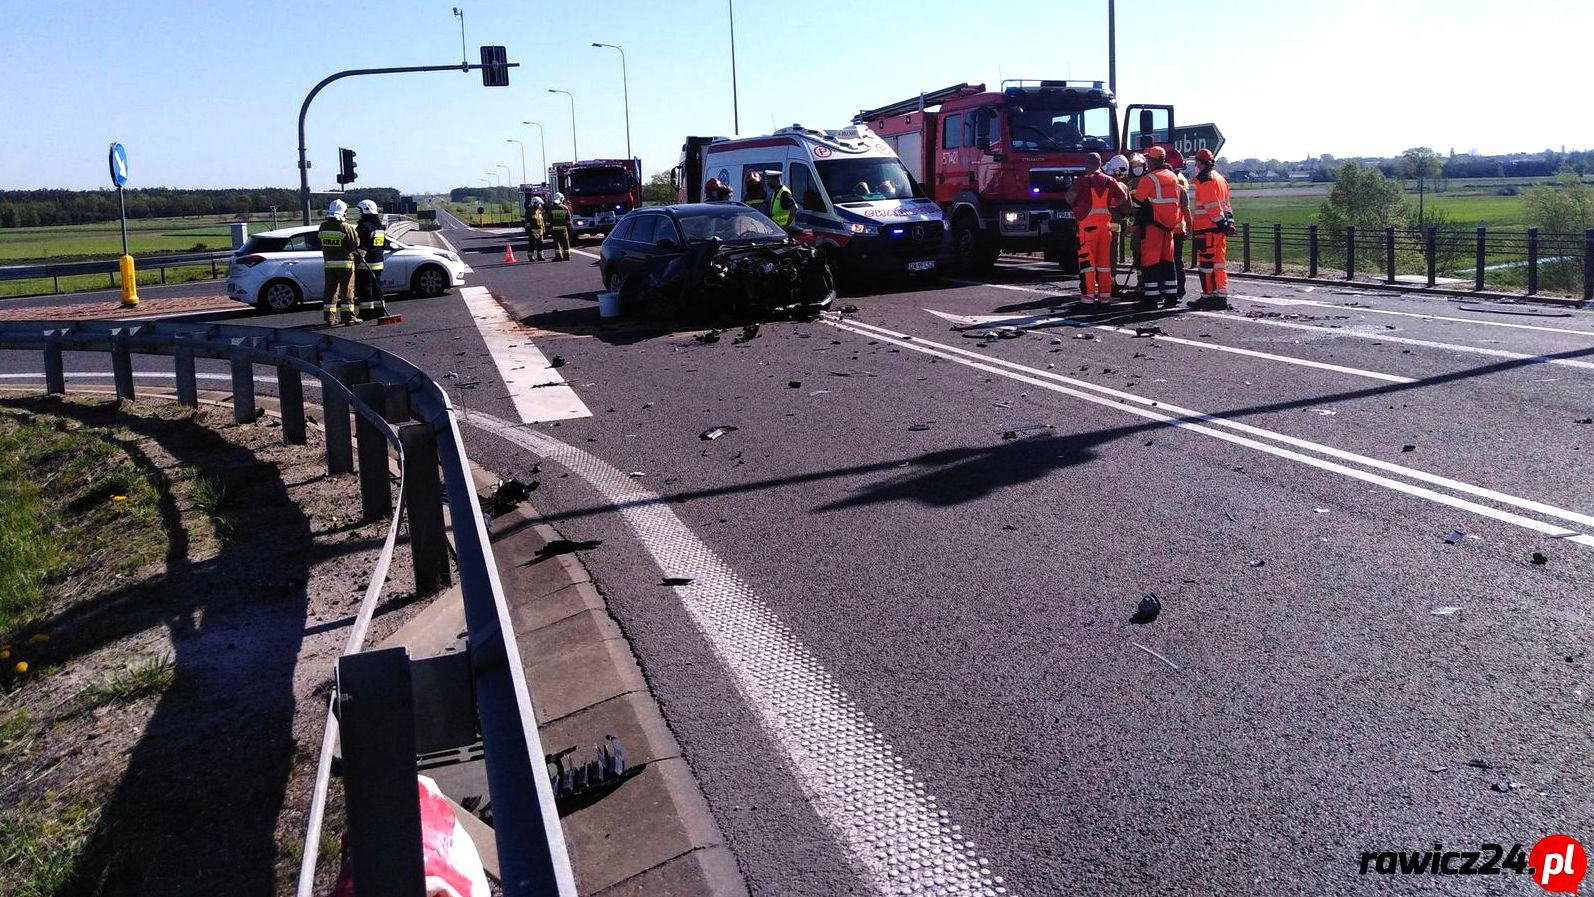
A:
x,y
1455,536
715,432
1540,558
1014,431
1257,562
280,295
1150,606
1448,610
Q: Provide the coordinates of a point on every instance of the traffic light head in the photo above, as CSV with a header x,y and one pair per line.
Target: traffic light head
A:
x,y
346,173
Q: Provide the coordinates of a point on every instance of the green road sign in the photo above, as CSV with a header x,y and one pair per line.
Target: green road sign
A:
x,y
1190,138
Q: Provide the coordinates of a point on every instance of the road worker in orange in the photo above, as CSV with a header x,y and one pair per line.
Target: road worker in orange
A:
x,y
1156,196
1094,195
1213,221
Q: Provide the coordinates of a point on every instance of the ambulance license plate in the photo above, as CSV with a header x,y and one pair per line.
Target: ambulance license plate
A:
x,y
921,266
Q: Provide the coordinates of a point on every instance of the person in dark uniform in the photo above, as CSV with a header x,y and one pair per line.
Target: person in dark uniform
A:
x,y
368,274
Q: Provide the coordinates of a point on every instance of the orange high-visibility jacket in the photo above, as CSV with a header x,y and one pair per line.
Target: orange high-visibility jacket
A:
x,y
1160,189
1211,201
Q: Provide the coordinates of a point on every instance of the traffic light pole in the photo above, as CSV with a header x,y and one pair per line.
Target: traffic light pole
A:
x,y
304,163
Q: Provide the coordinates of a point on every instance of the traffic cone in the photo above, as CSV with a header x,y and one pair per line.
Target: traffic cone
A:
x,y
509,254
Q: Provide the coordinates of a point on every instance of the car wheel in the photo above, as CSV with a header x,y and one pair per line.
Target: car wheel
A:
x,y
430,280
279,295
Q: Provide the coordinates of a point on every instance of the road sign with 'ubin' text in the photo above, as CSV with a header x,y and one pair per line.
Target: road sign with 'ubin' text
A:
x,y
1189,138
118,165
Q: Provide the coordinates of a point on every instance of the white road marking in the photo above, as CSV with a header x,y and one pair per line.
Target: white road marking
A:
x,y
1038,320
877,807
1007,286
590,255
1207,425
1279,300
1402,340
446,242
536,388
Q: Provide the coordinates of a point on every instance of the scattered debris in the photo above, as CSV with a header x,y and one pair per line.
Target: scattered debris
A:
x,y
1480,764
1010,527
635,474
820,392
1508,787
508,494
1321,510
1408,448
577,783
1448,610
1057,341
749,332
1084,336
794,384
676,581
558,361
1158,656
917,428
1438,769
1455,536
712,336
1014,431
1150,606
1586,420
1147,331
848,309
1257,562
567,546
1540,558
715,432
1326,412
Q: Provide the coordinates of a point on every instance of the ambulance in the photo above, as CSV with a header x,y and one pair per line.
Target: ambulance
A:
x,y
856,201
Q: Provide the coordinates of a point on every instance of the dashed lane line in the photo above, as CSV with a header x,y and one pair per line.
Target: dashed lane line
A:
x,y
1280,300
1027,321
878,808
1218,428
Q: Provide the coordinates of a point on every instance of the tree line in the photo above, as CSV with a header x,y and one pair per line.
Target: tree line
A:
x,y
1457,165
45,208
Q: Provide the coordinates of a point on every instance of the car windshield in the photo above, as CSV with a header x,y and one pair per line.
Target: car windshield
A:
x,y
863,180
732,225
597,181
261,244
1059,130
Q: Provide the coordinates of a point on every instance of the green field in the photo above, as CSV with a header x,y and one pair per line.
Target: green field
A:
x,y
103,240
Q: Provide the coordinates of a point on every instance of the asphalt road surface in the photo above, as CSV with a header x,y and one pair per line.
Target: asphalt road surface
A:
x,y
904,662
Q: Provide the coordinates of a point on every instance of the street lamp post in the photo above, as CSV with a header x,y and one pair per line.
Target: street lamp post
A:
x,y
576,153
625,91
522,158
464,61
1112,47
542,143
494,176
736,104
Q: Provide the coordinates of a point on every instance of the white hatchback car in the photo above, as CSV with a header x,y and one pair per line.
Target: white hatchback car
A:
x,y
276,270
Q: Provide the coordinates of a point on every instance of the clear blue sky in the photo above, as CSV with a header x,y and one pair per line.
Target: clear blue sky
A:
x,y
206,94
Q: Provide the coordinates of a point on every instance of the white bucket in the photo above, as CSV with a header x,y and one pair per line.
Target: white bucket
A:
x,y
609,305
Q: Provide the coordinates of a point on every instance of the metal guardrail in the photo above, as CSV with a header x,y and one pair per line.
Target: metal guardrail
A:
x,y
382,390
111,268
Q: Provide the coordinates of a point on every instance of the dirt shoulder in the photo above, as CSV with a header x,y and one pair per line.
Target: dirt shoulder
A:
x,y
163,736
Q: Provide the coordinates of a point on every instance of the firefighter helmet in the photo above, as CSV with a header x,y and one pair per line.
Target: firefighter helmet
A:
x,y
1156,154
336,209
712,188
1203,155
1116,166
559,197
368,207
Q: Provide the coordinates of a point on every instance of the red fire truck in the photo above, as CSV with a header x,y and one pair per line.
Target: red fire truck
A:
x,y
997,162
599,191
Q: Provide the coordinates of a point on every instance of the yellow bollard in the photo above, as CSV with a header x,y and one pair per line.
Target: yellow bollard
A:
x,y
129,283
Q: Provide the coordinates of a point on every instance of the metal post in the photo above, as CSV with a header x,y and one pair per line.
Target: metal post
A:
x,y
1350,252
243,389
376,498
1389,253
1533,260
1245,247
187,388
1588,265
423,508
1278,249
122,368
574,147
290,396
1112,47
1430,239
736,104
335,406
1477,280
1311,250
376,730
54,370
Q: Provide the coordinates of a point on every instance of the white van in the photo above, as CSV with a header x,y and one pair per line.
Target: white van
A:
x,y
855,199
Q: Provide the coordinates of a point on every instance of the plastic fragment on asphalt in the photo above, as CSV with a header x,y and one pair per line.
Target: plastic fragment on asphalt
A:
x,y
715,432
635,474
1540,558
676,581
820,392
1147,331
794,384
1455,536
713,336
1322,510
917,428
1165,660
1408,448
1586,420
1508,787
1438,769
1257,562
1084,336
558,361
1148,609
1014,431
847,309
1448,610
1480,764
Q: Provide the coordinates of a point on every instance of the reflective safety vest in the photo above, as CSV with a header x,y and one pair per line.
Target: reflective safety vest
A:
x,y
534,221
559,218
1211,201
1159,189
1096,197
373,241
783,208
338,242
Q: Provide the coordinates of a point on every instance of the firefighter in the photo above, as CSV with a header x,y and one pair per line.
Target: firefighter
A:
x,y
1176,165
1094,195
714,191
753,191
782,205
1156,195
535,225
559,228
368,273
339,243
1213,222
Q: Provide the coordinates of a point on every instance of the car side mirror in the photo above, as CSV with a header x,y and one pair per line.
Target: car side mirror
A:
x,y
666,244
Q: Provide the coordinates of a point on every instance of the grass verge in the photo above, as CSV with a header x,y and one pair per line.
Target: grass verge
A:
x,y
40,845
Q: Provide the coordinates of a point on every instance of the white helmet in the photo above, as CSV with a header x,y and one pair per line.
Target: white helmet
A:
x,y
337,208
558,197
1116,166
536,202
368,207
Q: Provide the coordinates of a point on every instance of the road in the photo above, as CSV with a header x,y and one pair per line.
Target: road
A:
x,y
904,662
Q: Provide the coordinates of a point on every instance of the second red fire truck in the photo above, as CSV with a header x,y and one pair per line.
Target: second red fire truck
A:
x,y
599,191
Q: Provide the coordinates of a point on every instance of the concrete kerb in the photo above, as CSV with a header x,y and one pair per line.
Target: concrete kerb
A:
x,y
652,835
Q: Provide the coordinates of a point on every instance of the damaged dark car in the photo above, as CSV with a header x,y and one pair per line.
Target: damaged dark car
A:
x,y
714,262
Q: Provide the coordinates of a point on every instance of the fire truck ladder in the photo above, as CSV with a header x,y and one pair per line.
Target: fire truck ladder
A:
x,y
919,103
